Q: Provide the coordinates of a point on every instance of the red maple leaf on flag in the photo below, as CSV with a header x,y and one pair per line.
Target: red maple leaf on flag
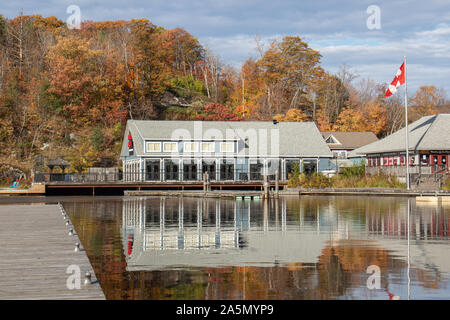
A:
x,y
399,79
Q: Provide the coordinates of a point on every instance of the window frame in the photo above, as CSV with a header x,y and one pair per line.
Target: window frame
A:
x,y
170,142
226,143
207,143
152,142
190,143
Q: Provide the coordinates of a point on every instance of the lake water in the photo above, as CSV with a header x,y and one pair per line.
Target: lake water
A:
x,y
313,247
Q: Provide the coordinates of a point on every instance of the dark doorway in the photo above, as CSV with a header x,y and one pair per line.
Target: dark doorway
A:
x,y
152,170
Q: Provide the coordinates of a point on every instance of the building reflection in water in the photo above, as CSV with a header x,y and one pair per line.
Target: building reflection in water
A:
x,y
213,232
172,232
308,248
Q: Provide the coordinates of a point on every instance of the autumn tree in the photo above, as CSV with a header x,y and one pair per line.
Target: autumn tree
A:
x,y
426,99
332,96
218,112
350,120
292,115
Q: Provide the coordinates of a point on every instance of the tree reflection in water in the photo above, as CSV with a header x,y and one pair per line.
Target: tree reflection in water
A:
x,y
291,248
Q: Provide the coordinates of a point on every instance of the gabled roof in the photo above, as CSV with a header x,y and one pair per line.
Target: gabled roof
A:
x,y
301,139
349,140
428,133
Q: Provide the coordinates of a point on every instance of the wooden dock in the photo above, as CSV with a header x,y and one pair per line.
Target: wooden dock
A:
x,y
36,251
36,189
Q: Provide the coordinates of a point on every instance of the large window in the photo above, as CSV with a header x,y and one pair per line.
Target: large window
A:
x,y
171,169
189,169
227,170
190,147
209,166
242,170
152,170
207,146
290,166
309,166
153,146
226,147
170,147
274,166
256,169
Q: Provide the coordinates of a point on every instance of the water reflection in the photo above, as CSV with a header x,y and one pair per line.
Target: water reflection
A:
x,y
308,248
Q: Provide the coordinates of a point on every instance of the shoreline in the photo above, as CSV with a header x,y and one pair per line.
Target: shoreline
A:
x,y
16,194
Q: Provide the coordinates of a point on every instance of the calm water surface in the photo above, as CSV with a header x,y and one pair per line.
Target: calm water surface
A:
x,y
292,248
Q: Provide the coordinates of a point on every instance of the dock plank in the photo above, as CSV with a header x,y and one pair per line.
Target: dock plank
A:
x,y
36,252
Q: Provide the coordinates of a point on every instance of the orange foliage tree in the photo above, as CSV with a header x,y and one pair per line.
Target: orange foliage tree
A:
x,y
426,99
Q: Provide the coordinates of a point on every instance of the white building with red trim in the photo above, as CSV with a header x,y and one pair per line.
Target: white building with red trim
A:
x,y
429,149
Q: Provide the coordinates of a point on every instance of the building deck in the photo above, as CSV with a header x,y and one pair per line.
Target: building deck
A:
x,y
36,253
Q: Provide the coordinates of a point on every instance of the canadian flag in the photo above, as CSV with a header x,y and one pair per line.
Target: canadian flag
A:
x,y
399,79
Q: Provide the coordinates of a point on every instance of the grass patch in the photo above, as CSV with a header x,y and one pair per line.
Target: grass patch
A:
x,y
351,177
446,185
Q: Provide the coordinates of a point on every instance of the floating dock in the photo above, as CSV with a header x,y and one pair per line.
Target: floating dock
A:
x,y
197,194
444,200
38,257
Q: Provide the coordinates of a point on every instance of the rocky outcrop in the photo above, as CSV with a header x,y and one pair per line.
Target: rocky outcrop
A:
x,y
9,172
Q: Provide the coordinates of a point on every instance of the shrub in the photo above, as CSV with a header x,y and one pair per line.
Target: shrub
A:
x,y
316,180
294,177
186,86
354,171
446,185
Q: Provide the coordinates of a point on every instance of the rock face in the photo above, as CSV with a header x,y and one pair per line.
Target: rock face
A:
x,y
171,100
8,171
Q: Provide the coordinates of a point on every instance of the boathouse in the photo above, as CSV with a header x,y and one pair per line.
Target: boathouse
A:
x,y
429,149
226,150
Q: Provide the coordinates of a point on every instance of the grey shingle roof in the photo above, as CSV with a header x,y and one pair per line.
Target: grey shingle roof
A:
x,y
427,133
295,138
350,140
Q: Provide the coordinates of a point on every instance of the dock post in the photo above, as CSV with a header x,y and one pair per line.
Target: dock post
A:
x,y
204,181
277,185
266,186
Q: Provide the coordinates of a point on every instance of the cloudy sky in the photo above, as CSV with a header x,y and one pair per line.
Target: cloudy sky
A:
x,y
338,29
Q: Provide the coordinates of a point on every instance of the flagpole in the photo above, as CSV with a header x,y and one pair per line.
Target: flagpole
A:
x,y
406,130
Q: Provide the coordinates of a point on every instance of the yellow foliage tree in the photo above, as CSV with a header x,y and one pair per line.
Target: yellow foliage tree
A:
x,y
426,99
376,117
351,120
293,115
